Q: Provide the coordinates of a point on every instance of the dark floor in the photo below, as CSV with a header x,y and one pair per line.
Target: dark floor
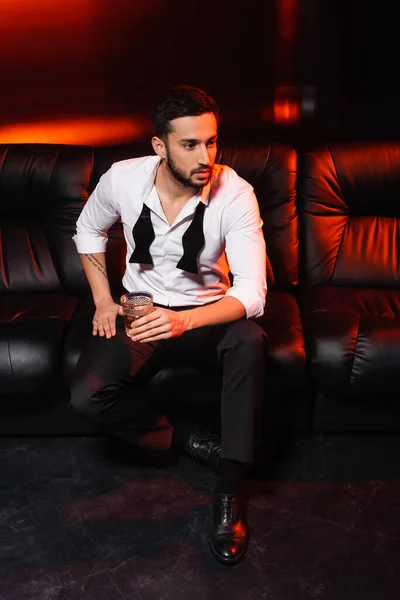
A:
x,y
79,523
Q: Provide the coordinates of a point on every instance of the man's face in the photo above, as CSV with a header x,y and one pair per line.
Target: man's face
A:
x,y
191,148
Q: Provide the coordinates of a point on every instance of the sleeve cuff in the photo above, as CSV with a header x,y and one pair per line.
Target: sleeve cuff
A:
x,y
90,244
252,300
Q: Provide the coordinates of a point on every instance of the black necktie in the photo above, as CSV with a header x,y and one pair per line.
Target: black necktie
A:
x,y
192,240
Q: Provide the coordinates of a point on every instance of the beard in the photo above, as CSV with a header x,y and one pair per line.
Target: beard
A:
x,y
182,178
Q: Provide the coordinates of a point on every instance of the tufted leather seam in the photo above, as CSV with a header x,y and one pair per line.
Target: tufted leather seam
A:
x,y
267,158
3,266
397,244
355,351
55,264
9,358
336,171
272,284
54,166
91,185
268,260
3,162
348,216
33,254
339,248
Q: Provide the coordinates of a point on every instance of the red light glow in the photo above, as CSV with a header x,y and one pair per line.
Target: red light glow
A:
x,y
87,131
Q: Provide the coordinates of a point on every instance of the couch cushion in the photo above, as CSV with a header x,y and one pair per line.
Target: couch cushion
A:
x,y
32,332
353,340
287,361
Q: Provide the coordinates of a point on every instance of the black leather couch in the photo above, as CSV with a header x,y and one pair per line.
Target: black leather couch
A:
x,y
349,209
332,316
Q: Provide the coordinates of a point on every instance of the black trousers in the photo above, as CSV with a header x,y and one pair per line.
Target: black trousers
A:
x,y
103,390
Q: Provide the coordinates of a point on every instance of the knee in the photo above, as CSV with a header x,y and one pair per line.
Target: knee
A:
x,y
86,401
248,339
80,398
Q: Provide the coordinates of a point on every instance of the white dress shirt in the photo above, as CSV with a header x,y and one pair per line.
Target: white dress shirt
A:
x,y
234,240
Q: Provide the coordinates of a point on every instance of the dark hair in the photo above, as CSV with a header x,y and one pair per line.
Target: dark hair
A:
x,y
180,101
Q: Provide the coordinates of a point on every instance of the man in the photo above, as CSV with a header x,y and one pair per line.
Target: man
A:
x,y
188,223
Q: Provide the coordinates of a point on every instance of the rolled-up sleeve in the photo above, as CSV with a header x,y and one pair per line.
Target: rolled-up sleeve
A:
x,y
97,216
246,252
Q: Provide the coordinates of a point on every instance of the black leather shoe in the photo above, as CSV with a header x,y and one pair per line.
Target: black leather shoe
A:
x,y
204,446
230,534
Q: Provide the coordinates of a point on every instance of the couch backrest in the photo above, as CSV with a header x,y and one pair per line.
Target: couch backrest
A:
x,y
349,210
43,189
272,171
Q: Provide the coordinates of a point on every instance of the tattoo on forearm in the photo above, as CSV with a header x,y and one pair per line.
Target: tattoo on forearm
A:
x,y
97,264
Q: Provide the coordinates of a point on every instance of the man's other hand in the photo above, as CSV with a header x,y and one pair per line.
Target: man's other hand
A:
x,y
104,320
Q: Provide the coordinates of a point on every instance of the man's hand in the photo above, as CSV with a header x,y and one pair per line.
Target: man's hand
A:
x,y
105,318
160,324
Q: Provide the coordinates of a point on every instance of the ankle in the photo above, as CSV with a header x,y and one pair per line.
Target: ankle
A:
x,y
232,475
